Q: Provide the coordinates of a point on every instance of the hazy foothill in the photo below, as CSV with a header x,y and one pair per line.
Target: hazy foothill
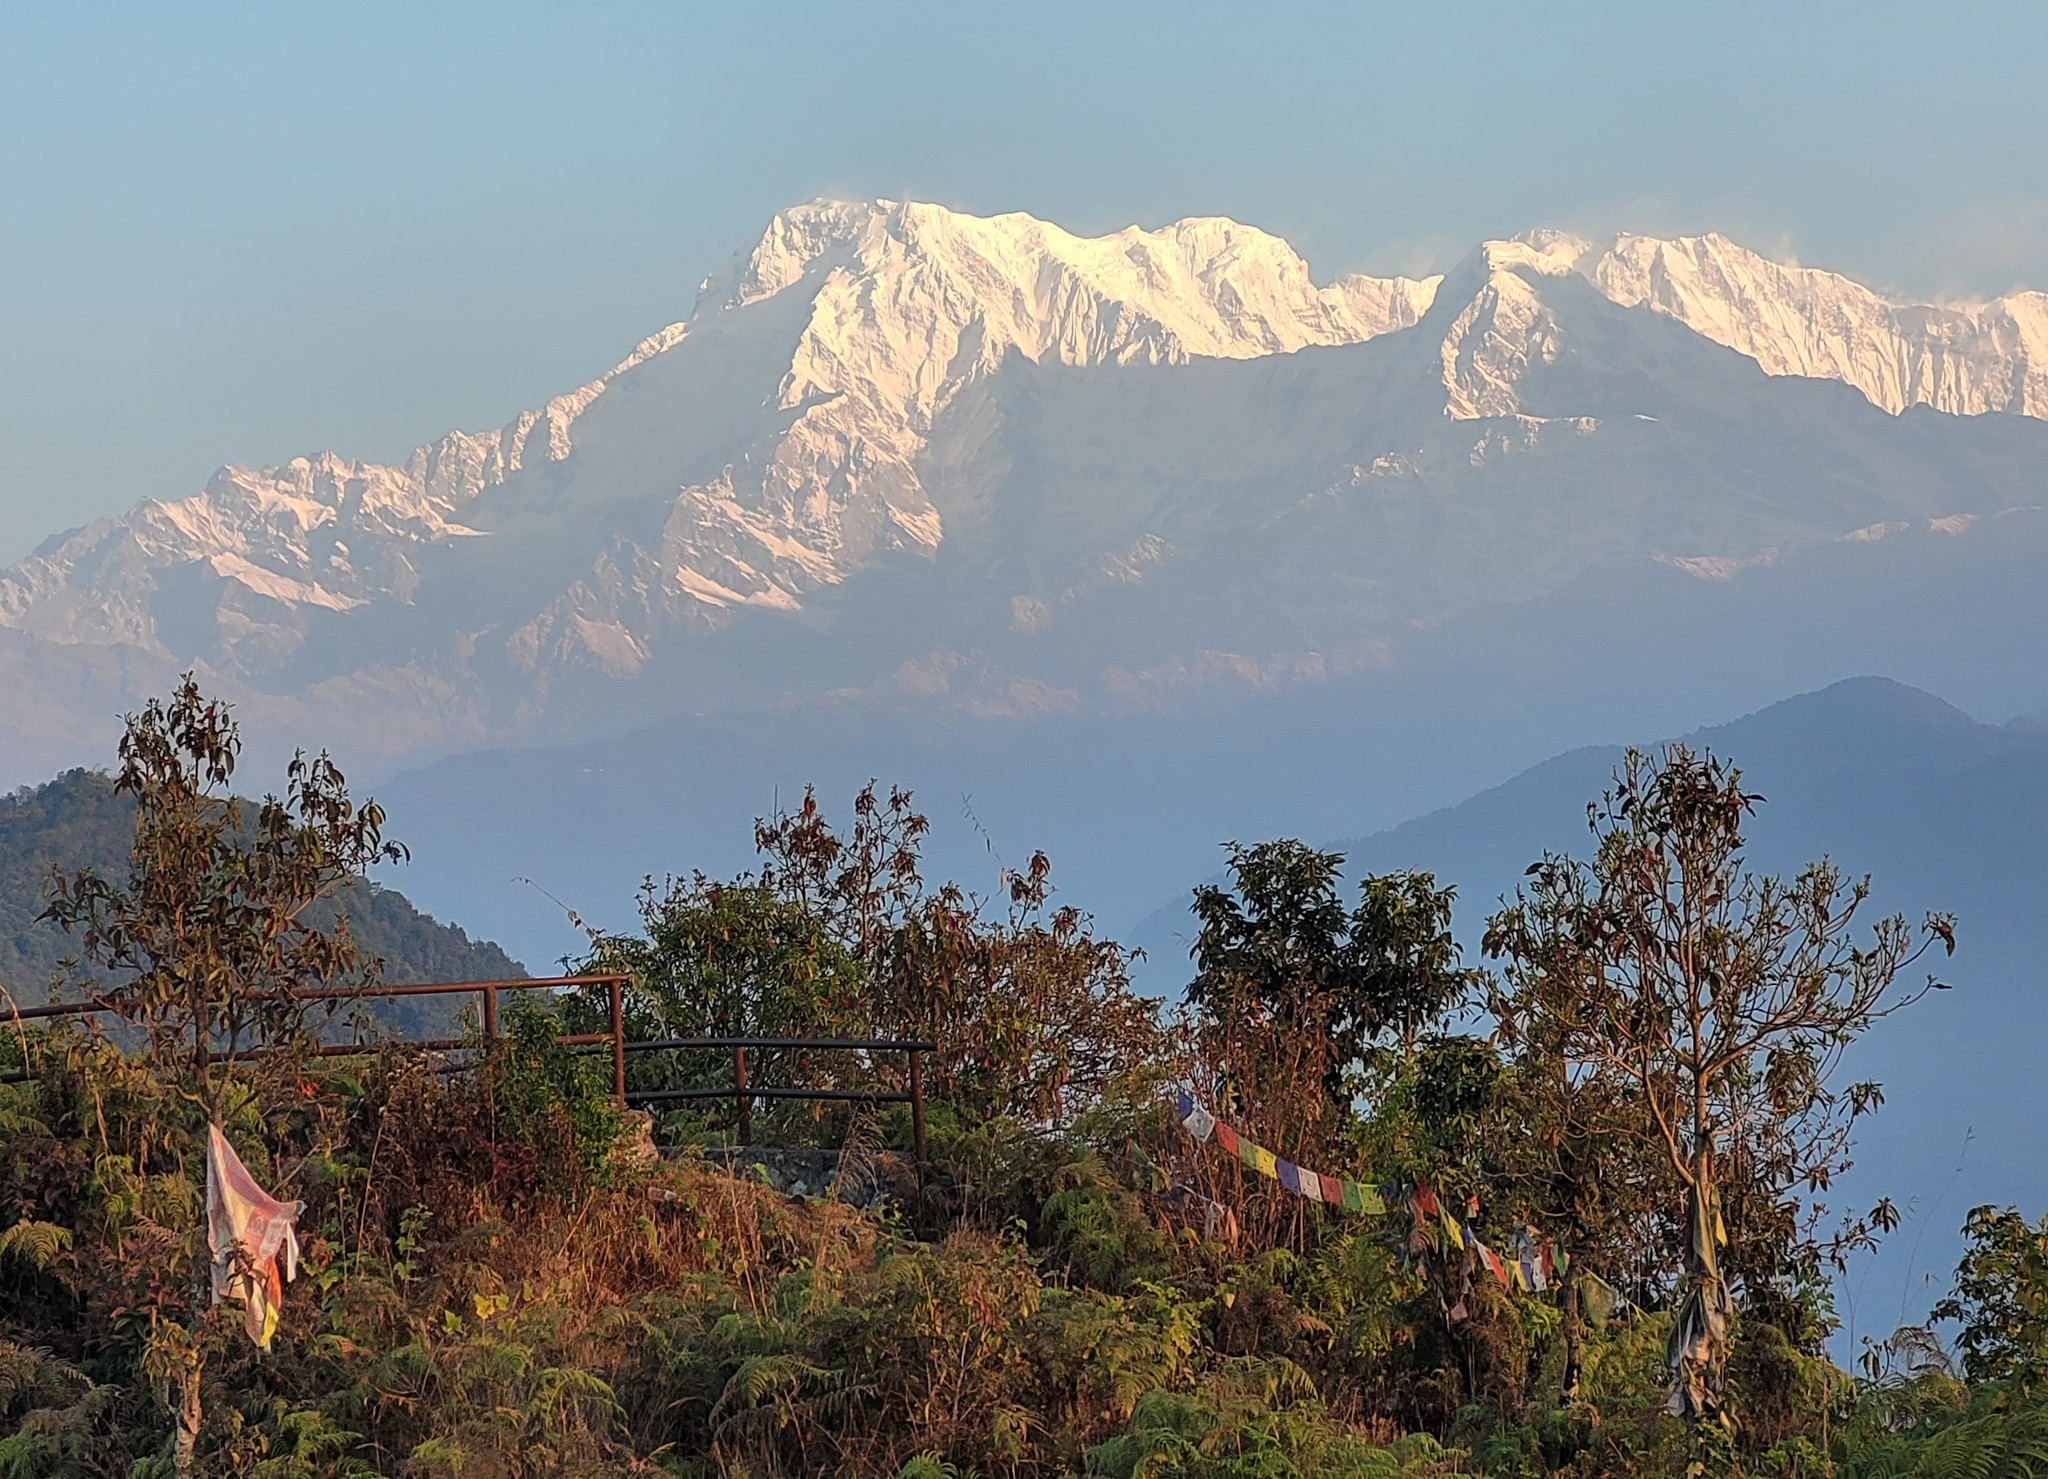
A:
x,y
1599,1122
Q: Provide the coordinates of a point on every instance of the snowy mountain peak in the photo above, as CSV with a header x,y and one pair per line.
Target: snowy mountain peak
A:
x,y
910,302
835,402
1206,286
1545,251
1964,359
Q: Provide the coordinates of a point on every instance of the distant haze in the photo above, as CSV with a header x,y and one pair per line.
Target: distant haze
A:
x,y
242,235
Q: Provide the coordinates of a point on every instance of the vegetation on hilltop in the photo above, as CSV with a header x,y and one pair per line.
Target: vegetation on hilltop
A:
x,y
501,1277
79,820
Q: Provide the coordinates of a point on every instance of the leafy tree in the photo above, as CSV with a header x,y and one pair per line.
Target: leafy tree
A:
x,y
1573,1164
1712,1006
2001,1299
737,959
1278,948
210,956
839,934
1298,1002
1404,961
208,944
734,959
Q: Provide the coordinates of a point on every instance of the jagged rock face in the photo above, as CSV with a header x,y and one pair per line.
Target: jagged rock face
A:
x,y
317,533
1800,321
836,406
909,303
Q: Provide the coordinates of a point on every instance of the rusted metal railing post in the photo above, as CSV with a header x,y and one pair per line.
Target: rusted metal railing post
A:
x,y
917,1103
743,1102
490,996
618,1045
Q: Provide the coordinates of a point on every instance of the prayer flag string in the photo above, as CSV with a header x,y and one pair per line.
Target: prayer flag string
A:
x,y
1332,1191
1531,1267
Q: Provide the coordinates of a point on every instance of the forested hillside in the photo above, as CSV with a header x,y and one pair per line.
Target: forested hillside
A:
x,y
77,821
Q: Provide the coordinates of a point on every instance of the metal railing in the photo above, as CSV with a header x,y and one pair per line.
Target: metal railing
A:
x,y
741,1093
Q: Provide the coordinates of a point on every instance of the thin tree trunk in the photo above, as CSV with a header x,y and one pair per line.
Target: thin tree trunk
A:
x,y
184,1455
1573,1333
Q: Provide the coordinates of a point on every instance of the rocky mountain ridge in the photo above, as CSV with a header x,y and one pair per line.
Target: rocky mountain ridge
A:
x,y
845,399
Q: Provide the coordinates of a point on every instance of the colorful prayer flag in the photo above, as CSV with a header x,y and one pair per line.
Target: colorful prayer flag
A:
x,y
1488,1257
1332,1191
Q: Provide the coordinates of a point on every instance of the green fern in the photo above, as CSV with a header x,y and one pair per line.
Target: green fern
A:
x,y
932,1466
36,1244
1995,1445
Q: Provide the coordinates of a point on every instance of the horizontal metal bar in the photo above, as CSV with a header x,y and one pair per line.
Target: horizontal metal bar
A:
x,y
452,988
751,1092
57,1009
342,993
363,1049
360,1050
851,1044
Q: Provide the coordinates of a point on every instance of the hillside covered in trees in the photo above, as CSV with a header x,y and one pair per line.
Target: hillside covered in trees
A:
x,y
79,821
1359,1206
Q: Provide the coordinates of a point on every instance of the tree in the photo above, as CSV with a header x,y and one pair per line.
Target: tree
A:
x,y
1574,1164
2001,1299
1299,1003
1278,947
1711,1006
207,951
734,959
1033,1015
1404,962
208,947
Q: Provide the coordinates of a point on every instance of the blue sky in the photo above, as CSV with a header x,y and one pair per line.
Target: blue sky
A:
x,y
240,234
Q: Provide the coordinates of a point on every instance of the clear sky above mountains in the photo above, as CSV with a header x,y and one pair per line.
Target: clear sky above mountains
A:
x,y
247,233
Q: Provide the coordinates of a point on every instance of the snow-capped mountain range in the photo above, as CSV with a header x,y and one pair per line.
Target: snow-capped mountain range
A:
x,y
906,451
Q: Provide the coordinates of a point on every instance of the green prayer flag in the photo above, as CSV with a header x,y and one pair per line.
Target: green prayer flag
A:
x,y
1354,1198
1599,1299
